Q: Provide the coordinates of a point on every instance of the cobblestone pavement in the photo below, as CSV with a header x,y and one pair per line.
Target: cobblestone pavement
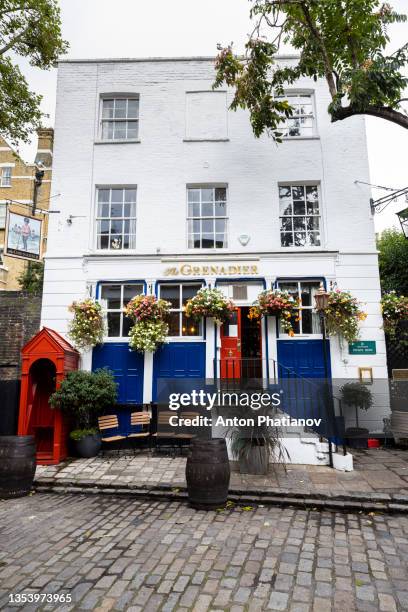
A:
x,y
113,553
376,471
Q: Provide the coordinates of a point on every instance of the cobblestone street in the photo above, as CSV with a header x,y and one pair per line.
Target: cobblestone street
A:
x,y
114,553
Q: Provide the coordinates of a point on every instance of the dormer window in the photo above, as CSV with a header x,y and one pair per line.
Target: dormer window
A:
x,y
120,118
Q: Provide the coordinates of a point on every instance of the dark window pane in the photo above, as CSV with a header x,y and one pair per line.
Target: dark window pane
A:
x,y
189,291
127,325
130,195
299,224
291,288
103,195
286,224
298,192
220,194
208,241
103,242
207,226
103,210
299,208
190,327
120,109
117,195
103,227
313,223
207,195
133,109
107,109
111,293
129,292
120,129
174,324
284,192
314,238
114,323
286,239
194,209
116,227
171,293
220,225
193,195
307,321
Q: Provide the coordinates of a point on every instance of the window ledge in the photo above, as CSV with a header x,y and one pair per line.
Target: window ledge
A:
x,y
5,186
119,141
289,138
205,139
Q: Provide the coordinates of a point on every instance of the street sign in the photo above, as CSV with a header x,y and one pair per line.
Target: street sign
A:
x,y
363,347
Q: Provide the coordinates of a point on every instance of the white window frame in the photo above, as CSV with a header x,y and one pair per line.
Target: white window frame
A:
x,y
3,215
299,282
122,284
127,120
291,96
225,217
6,180
319,216
123,219
180,285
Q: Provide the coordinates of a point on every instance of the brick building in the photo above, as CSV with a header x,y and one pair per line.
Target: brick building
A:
x,y
17,186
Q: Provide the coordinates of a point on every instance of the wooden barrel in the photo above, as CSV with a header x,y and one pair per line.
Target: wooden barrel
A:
x,y
207,473
17,465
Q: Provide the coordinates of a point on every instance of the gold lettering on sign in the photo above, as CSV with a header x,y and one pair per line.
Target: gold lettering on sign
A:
x,y
231,270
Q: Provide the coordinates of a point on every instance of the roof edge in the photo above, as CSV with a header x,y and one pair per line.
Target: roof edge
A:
x,y
188,58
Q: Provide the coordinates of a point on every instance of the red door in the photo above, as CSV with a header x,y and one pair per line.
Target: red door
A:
x,y
231,365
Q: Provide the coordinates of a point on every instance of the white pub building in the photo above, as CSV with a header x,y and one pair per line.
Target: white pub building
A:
x,y
164,190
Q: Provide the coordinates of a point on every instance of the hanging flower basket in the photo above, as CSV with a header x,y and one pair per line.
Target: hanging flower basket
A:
x,y
147,308
343,315
87,327
395,312
150,329
210,303
148,336
276,303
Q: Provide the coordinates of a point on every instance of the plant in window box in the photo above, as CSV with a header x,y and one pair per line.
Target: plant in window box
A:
x,y
276,303
343,315
151,329
87,327
210,303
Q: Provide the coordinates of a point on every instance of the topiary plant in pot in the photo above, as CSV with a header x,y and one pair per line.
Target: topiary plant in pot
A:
x,y
83,396
357,395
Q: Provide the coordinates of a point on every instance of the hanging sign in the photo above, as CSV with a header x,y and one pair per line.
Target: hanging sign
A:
x,y
23,236
363,347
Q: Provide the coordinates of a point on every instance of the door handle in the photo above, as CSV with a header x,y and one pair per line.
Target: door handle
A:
x,y
239,346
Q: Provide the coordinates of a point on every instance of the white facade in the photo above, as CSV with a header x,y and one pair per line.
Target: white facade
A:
x,y
185,138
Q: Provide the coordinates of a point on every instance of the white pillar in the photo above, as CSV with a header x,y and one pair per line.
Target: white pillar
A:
x,y
148,377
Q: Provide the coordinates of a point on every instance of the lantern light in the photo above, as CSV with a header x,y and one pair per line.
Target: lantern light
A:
x,y
321,298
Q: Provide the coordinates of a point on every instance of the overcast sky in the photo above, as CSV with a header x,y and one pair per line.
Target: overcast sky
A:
x,y
131,28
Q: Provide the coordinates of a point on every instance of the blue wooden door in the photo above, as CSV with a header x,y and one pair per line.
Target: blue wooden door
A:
x,y
179,360
304,358
127,366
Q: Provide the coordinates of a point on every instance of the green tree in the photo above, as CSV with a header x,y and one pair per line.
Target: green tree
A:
x,y
32,278
29,29
342,41
393,260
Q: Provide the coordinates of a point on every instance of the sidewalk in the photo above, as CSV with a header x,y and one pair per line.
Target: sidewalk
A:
x,y
379,480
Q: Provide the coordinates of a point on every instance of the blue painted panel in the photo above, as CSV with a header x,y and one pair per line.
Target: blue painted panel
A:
x,y
179,360
127,366
303,357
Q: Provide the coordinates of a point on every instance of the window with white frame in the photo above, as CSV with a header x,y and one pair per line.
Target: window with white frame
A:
x,y
5,176
302,122
299,211
116,218
120,118
207,217
306,320
113,299
178,294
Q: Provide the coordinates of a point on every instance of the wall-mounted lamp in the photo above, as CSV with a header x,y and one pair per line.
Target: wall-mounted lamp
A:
x,y
403,219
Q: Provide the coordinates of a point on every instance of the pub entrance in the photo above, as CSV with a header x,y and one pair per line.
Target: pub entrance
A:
x,y
241,347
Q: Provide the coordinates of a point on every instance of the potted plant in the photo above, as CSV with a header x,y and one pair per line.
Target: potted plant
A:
x,y
210,303
359,396
276,303
83,396
254,445
150,329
